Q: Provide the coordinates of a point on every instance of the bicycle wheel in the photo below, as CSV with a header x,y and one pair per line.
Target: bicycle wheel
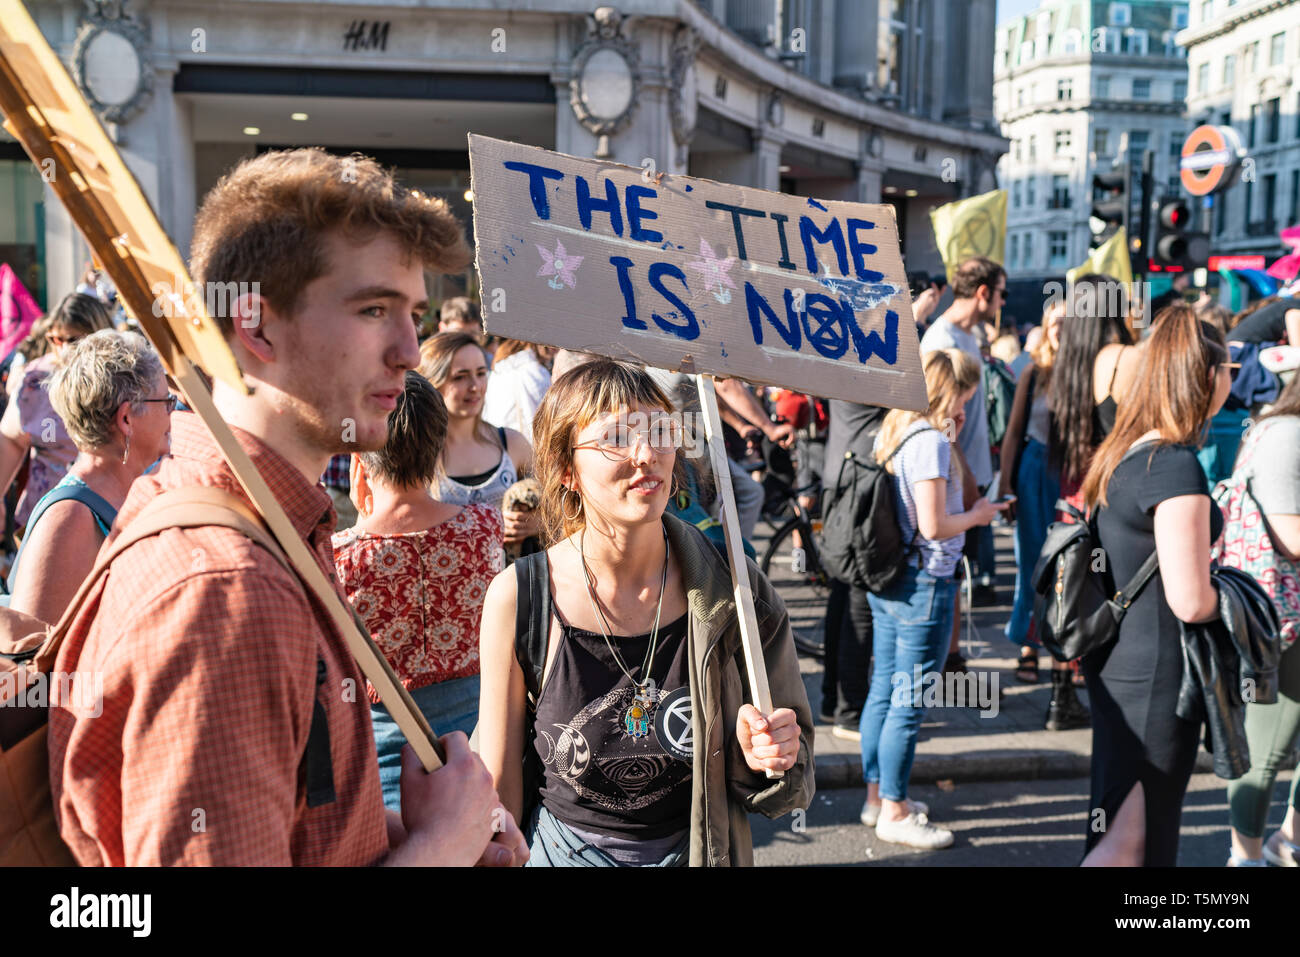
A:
x,y
796,573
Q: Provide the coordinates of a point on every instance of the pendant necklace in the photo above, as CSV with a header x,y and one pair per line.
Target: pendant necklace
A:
x,y
636,718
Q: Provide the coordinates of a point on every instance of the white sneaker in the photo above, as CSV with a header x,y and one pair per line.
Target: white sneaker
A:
x,y
915,830
871,812
1234,861
848,734
1280,852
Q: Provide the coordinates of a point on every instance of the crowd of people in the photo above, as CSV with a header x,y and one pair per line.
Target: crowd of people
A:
x,y
1113,415
550,581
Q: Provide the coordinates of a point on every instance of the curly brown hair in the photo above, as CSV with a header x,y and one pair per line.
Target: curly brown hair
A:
x,y
265,222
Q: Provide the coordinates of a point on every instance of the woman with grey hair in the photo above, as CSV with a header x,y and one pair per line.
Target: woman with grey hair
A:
x,y
111,394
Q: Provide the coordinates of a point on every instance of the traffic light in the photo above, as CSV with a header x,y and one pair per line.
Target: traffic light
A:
x,y
1110,203
1176,244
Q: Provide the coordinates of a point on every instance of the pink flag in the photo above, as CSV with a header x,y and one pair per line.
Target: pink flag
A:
x,y
1287,267
18,311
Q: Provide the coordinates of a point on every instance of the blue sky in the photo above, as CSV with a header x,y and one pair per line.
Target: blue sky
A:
x,y
1014,8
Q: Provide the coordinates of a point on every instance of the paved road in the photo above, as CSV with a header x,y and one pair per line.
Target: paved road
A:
x,y
1014,794
996,823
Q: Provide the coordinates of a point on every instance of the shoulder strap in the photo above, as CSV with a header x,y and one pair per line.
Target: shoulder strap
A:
x,y
195,507
532,621
179,508
102,509
1110,389
1126,595
84,494
907,438
501,435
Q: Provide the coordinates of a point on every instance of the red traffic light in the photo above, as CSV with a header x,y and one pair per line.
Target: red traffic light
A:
x,y
1175,215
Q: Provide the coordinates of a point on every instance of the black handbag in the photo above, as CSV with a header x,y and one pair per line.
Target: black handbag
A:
x,y
1076,605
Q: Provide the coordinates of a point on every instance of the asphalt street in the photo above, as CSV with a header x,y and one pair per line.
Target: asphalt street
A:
x,y
996,823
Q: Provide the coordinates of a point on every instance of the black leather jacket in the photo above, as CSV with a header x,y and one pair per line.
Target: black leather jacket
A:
x,y
1227,663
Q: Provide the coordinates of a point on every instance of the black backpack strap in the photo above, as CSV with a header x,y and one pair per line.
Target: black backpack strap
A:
x,y
532,621
1126,595
318,767
532,631
899,447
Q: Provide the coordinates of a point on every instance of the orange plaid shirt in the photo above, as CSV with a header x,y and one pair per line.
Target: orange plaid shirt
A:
x,y
207,648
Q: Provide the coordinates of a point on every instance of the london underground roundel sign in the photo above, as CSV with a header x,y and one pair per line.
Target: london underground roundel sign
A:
x,y
1211,159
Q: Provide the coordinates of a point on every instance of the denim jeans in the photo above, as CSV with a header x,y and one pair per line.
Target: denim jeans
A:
x,y
913,624
552,844
1037,489
448,706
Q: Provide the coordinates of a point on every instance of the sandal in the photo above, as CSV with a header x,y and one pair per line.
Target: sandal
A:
x,y
1027,668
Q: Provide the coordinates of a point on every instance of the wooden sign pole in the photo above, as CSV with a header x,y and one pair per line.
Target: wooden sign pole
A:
x,y
744,593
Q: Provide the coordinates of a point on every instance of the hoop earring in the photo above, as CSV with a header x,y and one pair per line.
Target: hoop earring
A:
x,y
564,501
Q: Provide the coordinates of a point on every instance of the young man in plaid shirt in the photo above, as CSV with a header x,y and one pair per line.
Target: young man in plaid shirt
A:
x,y
208,649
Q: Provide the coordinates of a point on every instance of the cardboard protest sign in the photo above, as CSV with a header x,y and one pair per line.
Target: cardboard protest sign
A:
x,y
46,112
694,275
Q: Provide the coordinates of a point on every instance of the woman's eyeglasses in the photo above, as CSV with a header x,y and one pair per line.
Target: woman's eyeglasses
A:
x,y
664,435
171,401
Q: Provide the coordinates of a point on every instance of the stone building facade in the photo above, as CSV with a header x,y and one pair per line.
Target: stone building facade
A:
x,y
838,99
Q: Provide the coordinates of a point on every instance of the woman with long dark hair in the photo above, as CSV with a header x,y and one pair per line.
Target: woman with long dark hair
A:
x,y
1094,369
1150,492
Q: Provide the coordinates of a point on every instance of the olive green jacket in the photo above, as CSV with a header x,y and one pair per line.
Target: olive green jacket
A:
x,y
724,791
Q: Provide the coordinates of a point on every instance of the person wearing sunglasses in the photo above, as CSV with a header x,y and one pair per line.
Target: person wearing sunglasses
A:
x,y
111,394
638,657
30,428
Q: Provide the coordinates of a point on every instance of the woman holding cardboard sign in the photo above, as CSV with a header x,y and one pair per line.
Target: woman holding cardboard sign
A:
x,y
638,749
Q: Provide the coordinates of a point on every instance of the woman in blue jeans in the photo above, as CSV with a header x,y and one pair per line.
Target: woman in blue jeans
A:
x,y
913,617
1037,484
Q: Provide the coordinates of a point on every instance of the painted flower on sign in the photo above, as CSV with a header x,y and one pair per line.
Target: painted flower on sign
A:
x,y
715,272
560,266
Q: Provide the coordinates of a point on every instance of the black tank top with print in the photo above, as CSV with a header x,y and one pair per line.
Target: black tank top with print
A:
x,y
609,767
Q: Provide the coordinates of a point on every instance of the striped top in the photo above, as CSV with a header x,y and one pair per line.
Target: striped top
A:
x,y
927,456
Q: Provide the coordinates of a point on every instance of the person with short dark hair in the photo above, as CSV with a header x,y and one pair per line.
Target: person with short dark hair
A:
x,y
461,314
416,570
